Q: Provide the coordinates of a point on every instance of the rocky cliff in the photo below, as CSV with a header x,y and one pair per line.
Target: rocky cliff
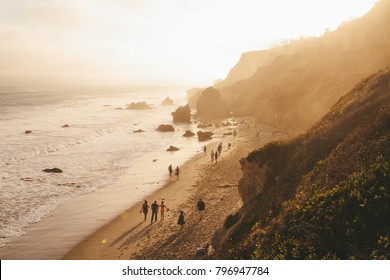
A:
x,y
324,194
296,84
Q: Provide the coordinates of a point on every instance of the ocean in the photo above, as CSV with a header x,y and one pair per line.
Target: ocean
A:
x,y
97,148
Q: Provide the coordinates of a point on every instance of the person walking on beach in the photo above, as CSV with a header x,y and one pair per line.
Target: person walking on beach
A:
x,y
144,209
154,212
201,207
177,172
170,170
181,220
204,149
212,156
163,207
219,149
216,156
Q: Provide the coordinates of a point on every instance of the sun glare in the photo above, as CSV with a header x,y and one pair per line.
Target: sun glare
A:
x,y
150,42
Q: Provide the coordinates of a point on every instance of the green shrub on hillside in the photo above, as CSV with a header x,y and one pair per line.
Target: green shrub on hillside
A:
x,y
350,221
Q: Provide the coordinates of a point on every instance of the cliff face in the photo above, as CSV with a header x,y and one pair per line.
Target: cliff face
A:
x,y
296,84
324,194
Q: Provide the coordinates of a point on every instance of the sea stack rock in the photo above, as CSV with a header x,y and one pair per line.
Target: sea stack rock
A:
x,y
167,102
52,170
211,105
165,128
138,106
172,149
138,131
182,114
204,136
188,133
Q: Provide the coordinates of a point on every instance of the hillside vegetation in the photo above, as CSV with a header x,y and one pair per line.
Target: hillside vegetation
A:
x,y
324,194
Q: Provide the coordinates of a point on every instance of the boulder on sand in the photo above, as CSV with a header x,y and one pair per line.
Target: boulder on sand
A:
x,y
52,170
204,135
188,133
172,149
165,128
182,114
138,131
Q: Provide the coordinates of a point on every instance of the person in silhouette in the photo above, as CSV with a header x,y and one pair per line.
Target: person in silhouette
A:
x,y
154,212
204,149
181,220
144,209
212,156
170,170
177,172
201,207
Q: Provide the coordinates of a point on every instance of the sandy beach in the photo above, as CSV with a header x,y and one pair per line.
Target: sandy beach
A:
x,y
129,237
104,225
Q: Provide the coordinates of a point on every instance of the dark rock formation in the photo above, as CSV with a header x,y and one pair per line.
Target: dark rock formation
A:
x,y
165,128
182,114
204,135
138,106
52,170
28,131
65,125
172,149
138,131
188,133
167,102
211,105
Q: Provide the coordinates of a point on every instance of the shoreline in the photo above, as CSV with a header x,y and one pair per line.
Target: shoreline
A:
x,y
58,235
58,232
129,237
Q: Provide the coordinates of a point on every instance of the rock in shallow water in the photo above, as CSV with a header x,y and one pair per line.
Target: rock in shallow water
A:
x,y
52,170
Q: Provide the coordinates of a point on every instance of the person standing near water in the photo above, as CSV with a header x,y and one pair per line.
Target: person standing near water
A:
x,y
216,156
212,156
181,220
163,207
204,149
145,209
170,170
154,212
177,172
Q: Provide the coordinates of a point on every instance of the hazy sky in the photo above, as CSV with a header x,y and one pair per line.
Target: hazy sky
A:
x,y
143,42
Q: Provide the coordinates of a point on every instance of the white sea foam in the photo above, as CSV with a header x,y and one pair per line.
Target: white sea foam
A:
x,y
94,151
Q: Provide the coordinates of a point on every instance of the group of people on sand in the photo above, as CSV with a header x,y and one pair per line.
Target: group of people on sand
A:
x,y
154,207
177,171
200,206
215,155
